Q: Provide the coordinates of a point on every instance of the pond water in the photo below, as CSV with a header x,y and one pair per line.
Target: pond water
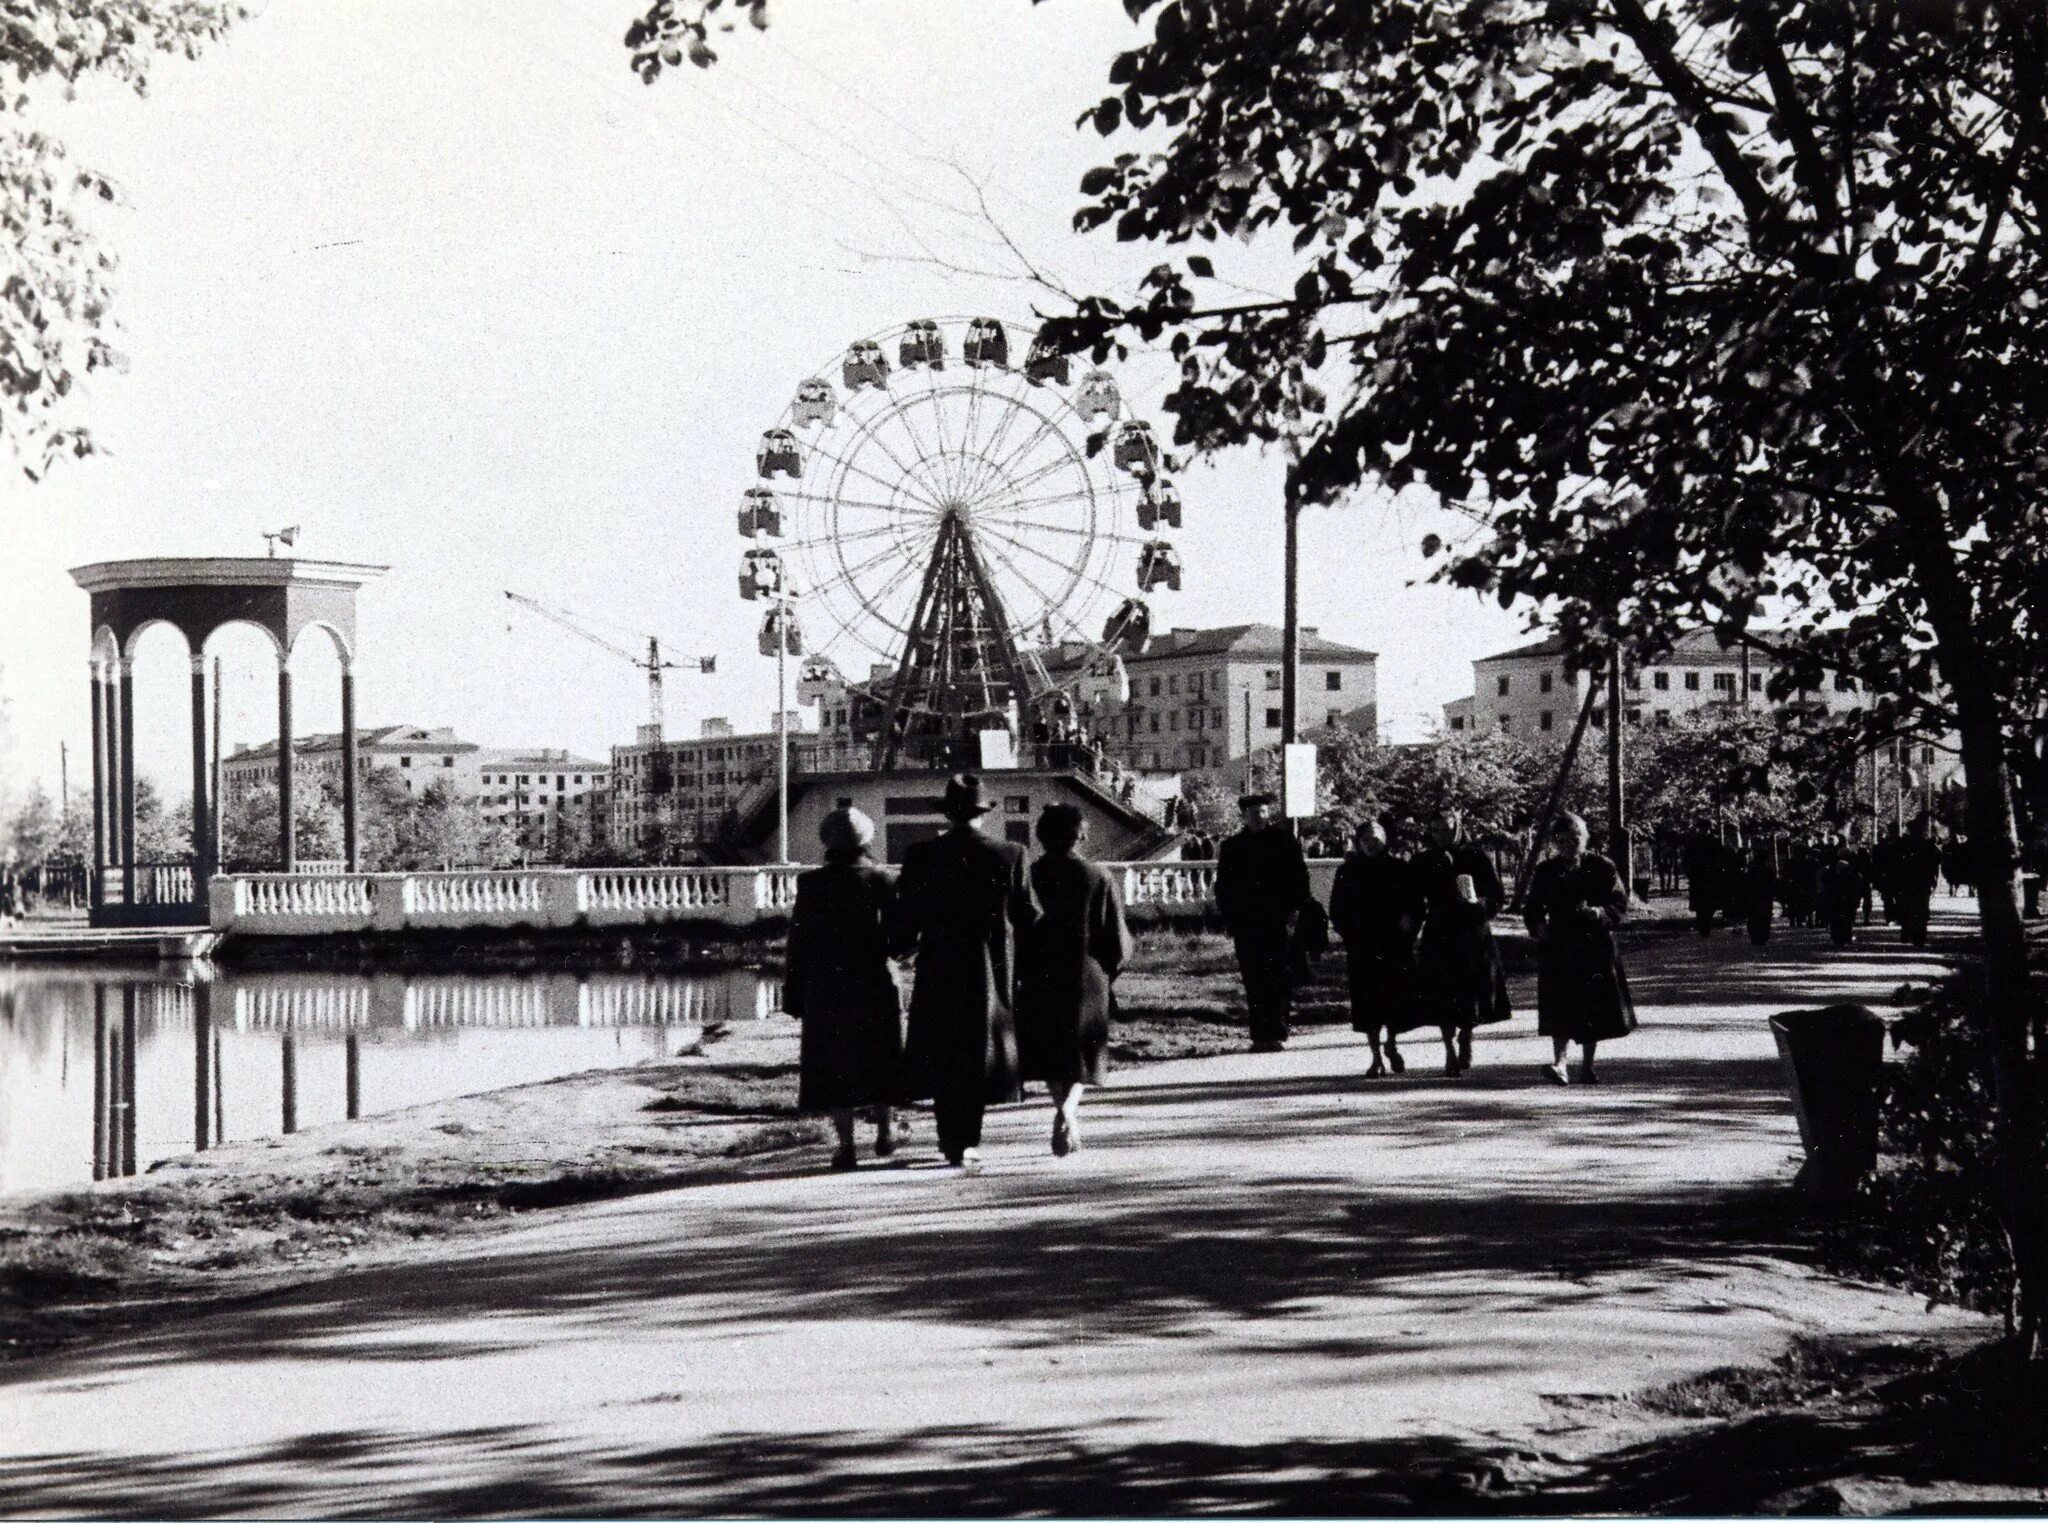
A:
x,y
106,1072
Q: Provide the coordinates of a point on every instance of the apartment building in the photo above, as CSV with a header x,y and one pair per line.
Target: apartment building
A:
x,y
1201,698
1535,690
417,755
555,803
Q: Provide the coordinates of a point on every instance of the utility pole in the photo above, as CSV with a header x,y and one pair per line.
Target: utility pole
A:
x,y
213,835
63,783
782,722
1617,821
1247,738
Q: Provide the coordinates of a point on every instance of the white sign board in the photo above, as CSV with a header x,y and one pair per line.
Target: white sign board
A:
x,y
1298,781
998,751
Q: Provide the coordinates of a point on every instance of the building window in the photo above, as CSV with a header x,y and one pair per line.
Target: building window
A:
x,y
1500,687
1543,720
1333,718
1543,686
1333,682
1845,684
1154,725
1661,681
1195,717
447,761
1216,718
1017,803
1663,717
1195,683
1173,682
1173,719
1272,719
1272,679
405,761
1598,719
1756,682
1635,716
1457,721
1724,682
1692,682
1507,721
1152,760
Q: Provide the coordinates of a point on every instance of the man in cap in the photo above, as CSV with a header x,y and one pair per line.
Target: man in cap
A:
x,y
962,898
1261,884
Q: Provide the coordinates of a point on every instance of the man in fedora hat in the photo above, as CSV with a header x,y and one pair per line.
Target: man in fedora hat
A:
x,y
962,898
1261,885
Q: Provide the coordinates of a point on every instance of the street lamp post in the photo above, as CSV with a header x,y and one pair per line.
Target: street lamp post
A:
x,y
782,721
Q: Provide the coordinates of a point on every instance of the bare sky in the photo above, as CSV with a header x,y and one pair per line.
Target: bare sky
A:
x,y
443,283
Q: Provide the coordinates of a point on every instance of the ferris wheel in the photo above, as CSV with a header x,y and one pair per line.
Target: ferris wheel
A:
x,y
955,503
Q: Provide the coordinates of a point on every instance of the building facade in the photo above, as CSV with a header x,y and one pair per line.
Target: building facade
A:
x,y
555,804
1535,690
1203,698
683,791
418,756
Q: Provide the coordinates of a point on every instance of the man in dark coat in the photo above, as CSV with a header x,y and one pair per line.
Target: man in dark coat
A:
x,y
962,898
1916,865
836,980
1376,909
1842,888
1576,899
1067,963
1261,885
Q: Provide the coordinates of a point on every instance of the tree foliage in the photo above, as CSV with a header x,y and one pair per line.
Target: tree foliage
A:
x,y
56,292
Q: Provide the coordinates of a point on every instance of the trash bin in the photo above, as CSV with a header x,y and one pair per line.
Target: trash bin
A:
x,y
1834,1063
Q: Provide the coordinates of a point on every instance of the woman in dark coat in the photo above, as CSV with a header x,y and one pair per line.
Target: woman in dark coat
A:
x,y
1376,908
1066,964
837,981
1576,899
1463,982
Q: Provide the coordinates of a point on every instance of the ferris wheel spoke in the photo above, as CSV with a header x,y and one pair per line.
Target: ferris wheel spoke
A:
x,y
846,573
827,500
1110,536
904,416
986,473
873,435
901,484
1047,424
871,606
1081,571
1020,511
1049,606
851,536
1008,496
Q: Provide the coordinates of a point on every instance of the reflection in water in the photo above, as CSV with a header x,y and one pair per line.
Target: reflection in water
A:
x,y
255,1054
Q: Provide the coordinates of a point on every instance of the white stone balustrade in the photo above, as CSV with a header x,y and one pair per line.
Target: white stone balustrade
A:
x,y
299,904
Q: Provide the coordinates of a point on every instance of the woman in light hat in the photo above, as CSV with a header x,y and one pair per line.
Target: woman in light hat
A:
x,y
838,983
1066,963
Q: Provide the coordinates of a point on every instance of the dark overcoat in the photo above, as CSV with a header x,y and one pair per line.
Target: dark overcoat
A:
x,y
961,900
1261,882
1463,980
1376,909
1067,962
1581,987
836,980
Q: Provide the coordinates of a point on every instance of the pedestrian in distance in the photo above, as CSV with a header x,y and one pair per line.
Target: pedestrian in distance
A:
x,y
1261,885
1376,909
1916,867
1760,885
1067,965
1576,899
962,901
1842,889
1955,863
837,981
1463,981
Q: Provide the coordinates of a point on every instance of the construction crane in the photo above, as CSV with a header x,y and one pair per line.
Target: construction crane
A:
x,y
652,663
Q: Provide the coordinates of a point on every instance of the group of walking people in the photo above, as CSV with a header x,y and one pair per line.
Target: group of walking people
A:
x,y
1416,918
1821,882
1014,970
1015,966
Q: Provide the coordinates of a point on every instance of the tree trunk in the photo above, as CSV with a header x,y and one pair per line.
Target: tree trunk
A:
x,y
2022,1149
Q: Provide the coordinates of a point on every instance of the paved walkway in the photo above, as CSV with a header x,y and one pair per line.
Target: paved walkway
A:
x,y
1266,1284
